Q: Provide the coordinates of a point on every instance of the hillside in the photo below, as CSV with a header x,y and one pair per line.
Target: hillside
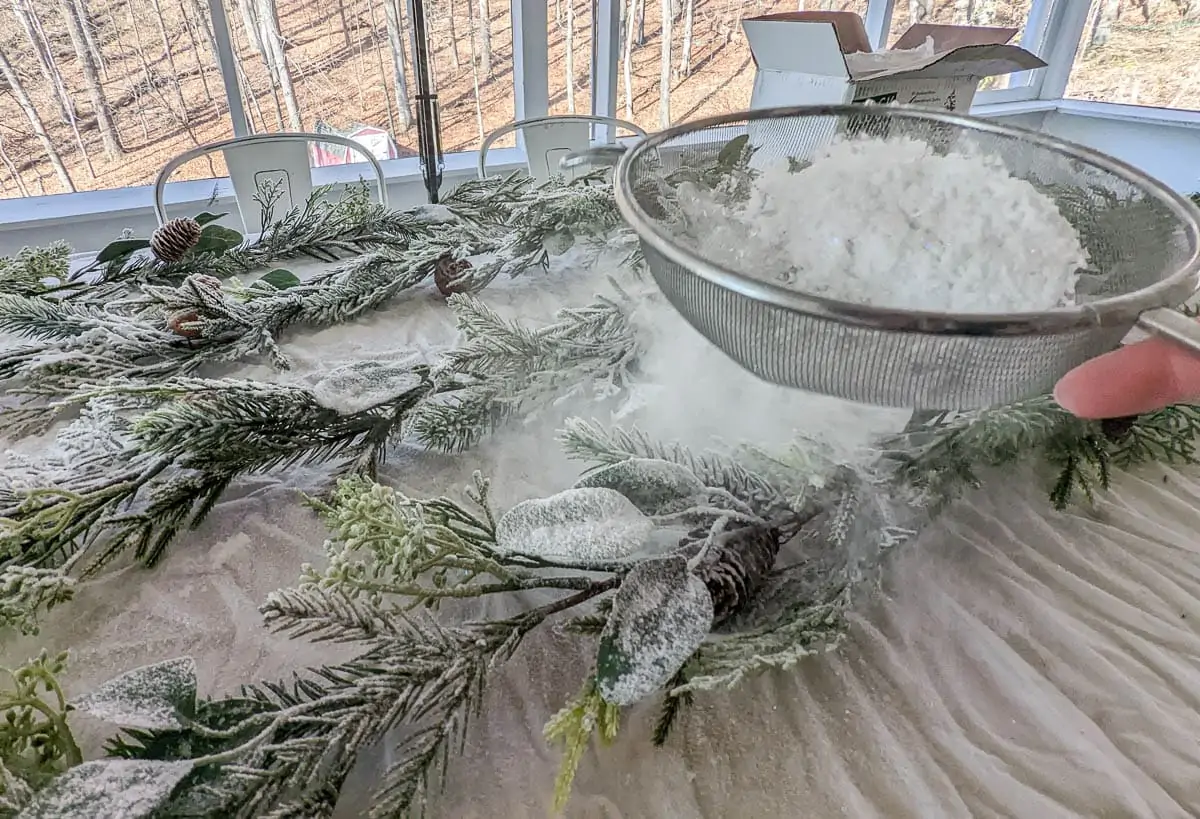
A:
x,y
165,100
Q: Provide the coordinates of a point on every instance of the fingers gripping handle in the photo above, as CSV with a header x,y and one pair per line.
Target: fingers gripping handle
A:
x,y
598,156
1173,326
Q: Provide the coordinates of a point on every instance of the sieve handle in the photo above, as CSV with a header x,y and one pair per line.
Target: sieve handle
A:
x,y
599,155
1173,326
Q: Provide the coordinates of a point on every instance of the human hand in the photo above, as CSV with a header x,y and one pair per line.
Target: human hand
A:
x,y
1137,378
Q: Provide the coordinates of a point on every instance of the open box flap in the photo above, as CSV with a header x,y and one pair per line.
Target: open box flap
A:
x,y
966,61
948,38
806,49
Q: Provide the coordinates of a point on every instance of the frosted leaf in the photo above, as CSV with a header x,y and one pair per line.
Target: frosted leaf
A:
x,y
109,788
152,697
364,384
654,486
558,242
580,524
660,616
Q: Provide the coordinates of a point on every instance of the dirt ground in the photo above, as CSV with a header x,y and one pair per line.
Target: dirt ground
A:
x,y
341,67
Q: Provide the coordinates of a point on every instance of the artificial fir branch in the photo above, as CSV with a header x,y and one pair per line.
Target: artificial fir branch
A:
x,y
574,726
946,453
502,368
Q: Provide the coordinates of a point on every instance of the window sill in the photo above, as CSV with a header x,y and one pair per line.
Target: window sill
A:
x,y
1129,113
195,195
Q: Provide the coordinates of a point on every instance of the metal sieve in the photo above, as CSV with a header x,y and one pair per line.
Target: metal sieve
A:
x,y
1142,240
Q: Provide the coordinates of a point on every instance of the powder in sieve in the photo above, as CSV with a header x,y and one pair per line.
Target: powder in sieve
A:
x,y
890,223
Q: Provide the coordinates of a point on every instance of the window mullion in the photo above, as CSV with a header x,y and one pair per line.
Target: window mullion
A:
x,y
227,63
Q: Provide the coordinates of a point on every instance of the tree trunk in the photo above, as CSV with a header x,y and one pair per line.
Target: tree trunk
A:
x,y
664,74
341,6
1101,24
166,44
485,39
190,29
89,36
35,121
453,35
249,16
569,57
41,48
109,136
685,59
641,23
13,171
475,75
268,18
628,66
394,18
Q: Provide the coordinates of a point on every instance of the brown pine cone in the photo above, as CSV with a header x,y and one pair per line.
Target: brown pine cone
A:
x,y
736,569
450,276
172,241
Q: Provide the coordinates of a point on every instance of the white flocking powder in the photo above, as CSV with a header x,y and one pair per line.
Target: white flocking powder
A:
x,y
890,223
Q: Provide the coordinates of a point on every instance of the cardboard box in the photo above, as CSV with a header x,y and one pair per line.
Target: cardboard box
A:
x,y
815,58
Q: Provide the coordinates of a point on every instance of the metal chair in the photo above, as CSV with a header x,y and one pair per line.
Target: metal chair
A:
x,y
280,160
549,139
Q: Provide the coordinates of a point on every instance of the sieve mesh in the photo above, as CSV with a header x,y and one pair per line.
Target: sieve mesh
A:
x,y
1141,239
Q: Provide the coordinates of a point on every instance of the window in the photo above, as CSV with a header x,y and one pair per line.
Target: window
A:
x,y
1000,13
1141,52
708,67
100,95
570,55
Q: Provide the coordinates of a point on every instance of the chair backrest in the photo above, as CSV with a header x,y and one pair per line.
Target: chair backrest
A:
x,y
279,161
549,139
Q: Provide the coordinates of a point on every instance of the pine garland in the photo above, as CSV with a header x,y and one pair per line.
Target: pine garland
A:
x,y
174,442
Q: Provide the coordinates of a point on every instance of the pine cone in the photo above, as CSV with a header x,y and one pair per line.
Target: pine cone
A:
x,y
172,241
448,275
737,568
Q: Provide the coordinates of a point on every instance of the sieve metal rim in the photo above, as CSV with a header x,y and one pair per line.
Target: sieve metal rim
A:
x,y
1114,311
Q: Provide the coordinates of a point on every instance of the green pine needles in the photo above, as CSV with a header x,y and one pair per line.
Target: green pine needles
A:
x,y
751,571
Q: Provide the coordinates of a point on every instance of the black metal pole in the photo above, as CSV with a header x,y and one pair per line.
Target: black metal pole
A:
x,y
429,137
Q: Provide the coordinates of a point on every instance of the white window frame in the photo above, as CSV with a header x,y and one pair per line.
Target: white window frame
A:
x,y
1054,30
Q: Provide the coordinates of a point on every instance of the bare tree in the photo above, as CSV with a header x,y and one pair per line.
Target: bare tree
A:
x,y
156,6
17,89
664,74
1104,14
628,61
475,76
641,23
485,39
13,171
569,57
249,15
450,12
109,137
89,36
395,31
689,19
272,41
31,26
190,29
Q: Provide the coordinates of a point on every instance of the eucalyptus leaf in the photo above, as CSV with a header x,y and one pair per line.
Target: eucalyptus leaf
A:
x,y
206,217
589,523
654,486
109,788
160,696
217,239
660,615
279,278
120,249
